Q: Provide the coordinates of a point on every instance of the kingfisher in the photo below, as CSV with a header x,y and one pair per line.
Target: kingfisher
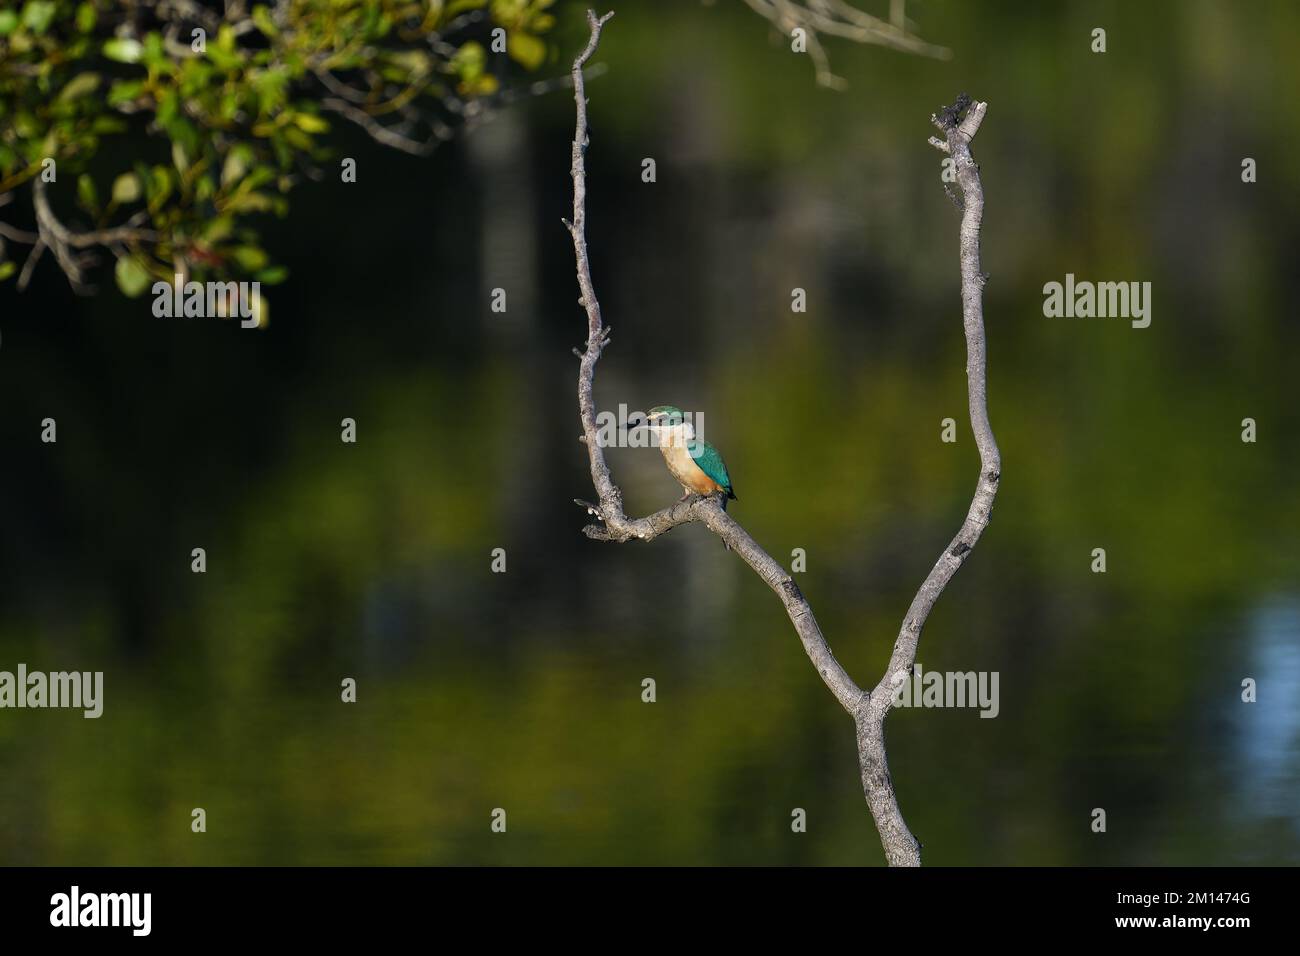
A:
x,y
693,462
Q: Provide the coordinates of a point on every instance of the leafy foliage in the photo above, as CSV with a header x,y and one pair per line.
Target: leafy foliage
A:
x,y
238,103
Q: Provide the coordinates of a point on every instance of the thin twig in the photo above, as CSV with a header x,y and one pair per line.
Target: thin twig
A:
x,y
383,134
59,239
841,19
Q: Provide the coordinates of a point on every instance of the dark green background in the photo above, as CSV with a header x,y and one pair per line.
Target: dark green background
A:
x,y
522,690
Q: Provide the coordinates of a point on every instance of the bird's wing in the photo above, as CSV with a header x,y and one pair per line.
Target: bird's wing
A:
x,y
709,461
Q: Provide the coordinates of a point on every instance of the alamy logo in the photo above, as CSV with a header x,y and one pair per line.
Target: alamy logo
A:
x,y
218,300
75,689
1084,300
103,909
948,689
632,429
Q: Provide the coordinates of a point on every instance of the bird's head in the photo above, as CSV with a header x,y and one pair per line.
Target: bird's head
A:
x,y
665,415
668,423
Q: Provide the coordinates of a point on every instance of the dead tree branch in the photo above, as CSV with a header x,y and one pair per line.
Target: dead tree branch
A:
x,y
959,123
867,710
818,18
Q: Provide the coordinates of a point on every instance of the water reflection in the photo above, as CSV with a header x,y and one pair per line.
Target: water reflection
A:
x,y
1267,765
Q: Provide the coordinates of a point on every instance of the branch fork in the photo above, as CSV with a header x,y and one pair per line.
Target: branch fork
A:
x,y
959,124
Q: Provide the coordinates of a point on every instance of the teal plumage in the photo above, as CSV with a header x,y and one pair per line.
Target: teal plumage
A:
x,y
695,463
708,460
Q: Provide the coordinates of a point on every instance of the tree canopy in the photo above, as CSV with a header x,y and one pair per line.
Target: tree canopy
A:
x,y
237,105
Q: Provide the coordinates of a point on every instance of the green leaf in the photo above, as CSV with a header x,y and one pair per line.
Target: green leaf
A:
x,y
7,269
273,276
250,258
123,50
249,202
184,132
79,85
86,17
224,52
38,14
107,124
168,105
158,187
126,188
262,20
460,6
298,139
217,229
204,188
237,162
468,61
484,85
131,276
154,54
8,22
310,123
87,193
526,50
124,91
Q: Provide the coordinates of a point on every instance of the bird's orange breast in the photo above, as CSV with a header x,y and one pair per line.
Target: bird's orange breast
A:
x,y
686,471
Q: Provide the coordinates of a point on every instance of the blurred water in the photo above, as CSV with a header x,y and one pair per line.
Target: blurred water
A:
x,y
1268,745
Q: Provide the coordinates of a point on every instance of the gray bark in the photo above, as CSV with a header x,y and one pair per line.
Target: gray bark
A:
x,y
868,710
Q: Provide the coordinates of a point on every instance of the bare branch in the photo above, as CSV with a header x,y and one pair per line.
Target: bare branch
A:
x,y
19,235
383,134
54,235
900,846
960,131
611,499
838,18
29,266
617,526
868,710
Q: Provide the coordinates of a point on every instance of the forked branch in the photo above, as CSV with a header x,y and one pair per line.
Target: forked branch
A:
x,y
868,710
